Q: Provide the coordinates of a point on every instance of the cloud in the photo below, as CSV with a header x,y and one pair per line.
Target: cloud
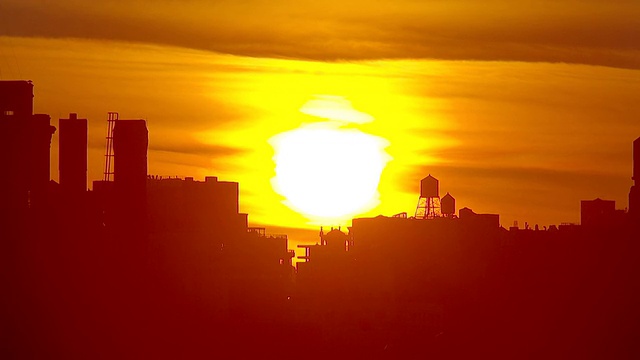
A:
x,y
196,148
587,32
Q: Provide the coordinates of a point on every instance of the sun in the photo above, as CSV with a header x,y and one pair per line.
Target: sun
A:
x,y
329,170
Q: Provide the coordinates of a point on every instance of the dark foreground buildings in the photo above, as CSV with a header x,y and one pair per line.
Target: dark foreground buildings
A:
x,y
138,267
148,267
24,150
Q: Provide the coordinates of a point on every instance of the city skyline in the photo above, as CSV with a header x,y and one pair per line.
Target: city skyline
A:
x,y
538,104
170,267
345,113
319,179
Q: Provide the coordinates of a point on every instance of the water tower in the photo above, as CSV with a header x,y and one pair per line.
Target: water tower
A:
x,y
429,201
448,204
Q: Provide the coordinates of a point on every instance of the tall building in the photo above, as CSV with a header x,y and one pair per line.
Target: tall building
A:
x,y
634,194
130,143
25,143
73,154
16,98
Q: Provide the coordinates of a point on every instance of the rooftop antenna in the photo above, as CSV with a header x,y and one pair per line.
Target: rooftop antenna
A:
x,y
108,156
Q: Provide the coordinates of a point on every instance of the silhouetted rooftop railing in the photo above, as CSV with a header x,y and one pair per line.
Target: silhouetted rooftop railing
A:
x,y
260,231
162,177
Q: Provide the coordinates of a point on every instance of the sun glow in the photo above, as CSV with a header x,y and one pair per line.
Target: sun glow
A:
x,y
329,171
267,100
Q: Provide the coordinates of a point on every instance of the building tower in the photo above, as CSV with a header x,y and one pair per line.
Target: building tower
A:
x,y
73,154
25,148
429,201
130,143
634,194
16,98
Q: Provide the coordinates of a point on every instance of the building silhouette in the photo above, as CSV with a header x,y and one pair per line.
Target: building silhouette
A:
x,y
25,143
16,98
634,194
147,266
601,213
73,154
130,144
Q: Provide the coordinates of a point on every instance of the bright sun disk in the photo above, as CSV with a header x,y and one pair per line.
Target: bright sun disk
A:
x,y
326,171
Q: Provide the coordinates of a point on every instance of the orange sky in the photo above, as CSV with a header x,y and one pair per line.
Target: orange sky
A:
x,y
518,110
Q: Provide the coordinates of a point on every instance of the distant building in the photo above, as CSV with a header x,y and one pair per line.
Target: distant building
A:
x,y
206,210
16,98
73,154
634,194
488,221
130,143
600,212
196,228
324,257
25,143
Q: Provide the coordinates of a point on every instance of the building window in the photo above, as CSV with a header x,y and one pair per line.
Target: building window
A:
x,y
8,112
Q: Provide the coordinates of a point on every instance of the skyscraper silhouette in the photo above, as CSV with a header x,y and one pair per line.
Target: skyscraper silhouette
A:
x,y
634,194
73,154
25,142
16,98
130,143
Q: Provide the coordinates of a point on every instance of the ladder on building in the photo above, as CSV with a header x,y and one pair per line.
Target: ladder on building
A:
x,y
108,156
